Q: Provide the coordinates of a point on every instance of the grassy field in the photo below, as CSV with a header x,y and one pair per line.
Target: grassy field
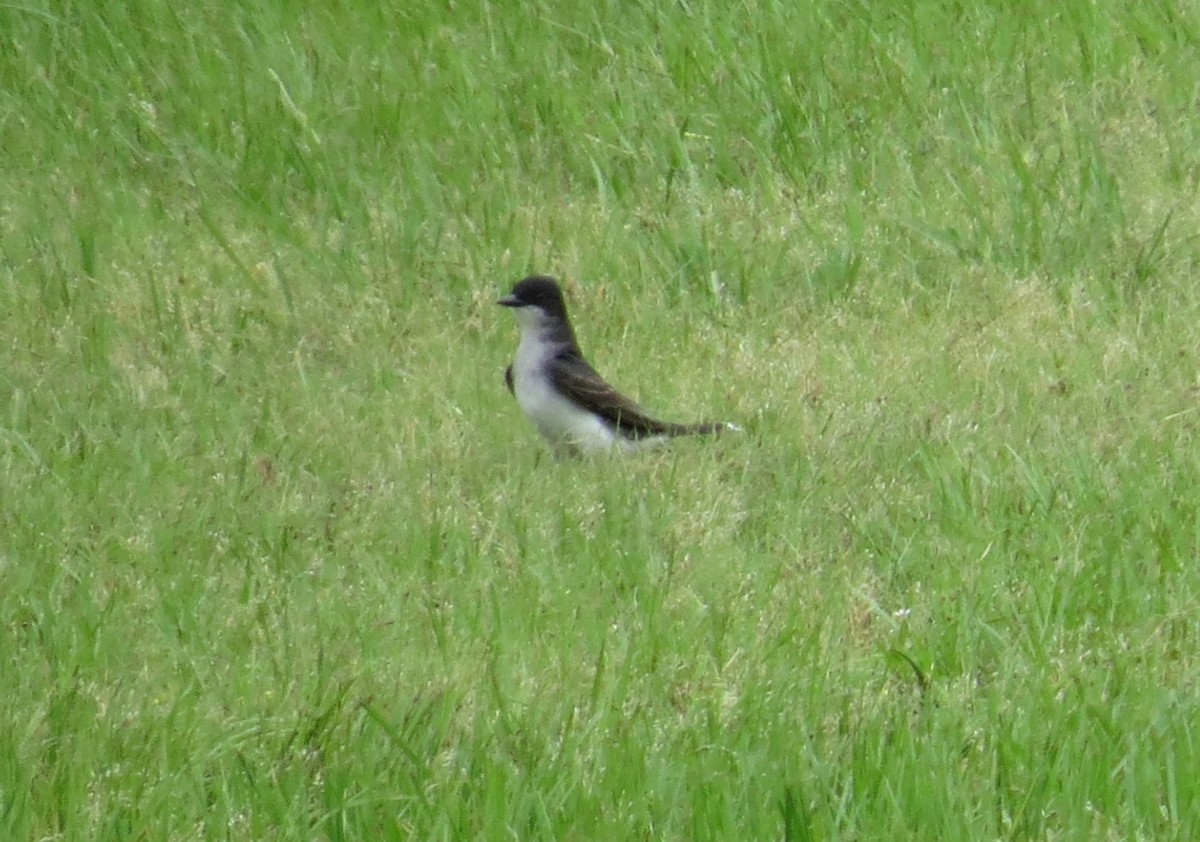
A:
x,y
280,558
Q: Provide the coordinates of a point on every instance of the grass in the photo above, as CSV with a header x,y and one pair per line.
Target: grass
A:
x,y
280,559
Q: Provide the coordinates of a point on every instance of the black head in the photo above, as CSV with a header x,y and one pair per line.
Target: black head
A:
x,y
537,291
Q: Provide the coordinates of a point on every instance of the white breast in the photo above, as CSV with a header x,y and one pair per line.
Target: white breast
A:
x,y
565,425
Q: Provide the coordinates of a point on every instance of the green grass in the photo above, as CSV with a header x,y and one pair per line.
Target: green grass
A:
x,y
280,559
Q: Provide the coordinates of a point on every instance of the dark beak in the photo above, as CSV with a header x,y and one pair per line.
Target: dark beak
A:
x,y
510,301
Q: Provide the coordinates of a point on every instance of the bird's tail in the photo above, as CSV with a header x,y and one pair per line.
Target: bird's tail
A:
x,y
704,428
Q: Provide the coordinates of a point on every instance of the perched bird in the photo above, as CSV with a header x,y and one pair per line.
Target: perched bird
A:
x,y
571,405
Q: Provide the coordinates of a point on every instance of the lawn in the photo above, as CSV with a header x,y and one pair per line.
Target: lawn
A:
x,y
281,559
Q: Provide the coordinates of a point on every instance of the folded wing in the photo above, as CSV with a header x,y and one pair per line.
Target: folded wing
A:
x,y
576,379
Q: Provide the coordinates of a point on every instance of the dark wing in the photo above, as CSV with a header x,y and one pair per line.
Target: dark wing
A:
x,y
579,381
508,381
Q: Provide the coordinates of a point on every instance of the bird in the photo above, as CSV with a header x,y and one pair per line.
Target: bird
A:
x,y
571,405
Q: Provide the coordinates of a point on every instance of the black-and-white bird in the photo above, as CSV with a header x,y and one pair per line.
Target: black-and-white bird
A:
x,y
571,405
